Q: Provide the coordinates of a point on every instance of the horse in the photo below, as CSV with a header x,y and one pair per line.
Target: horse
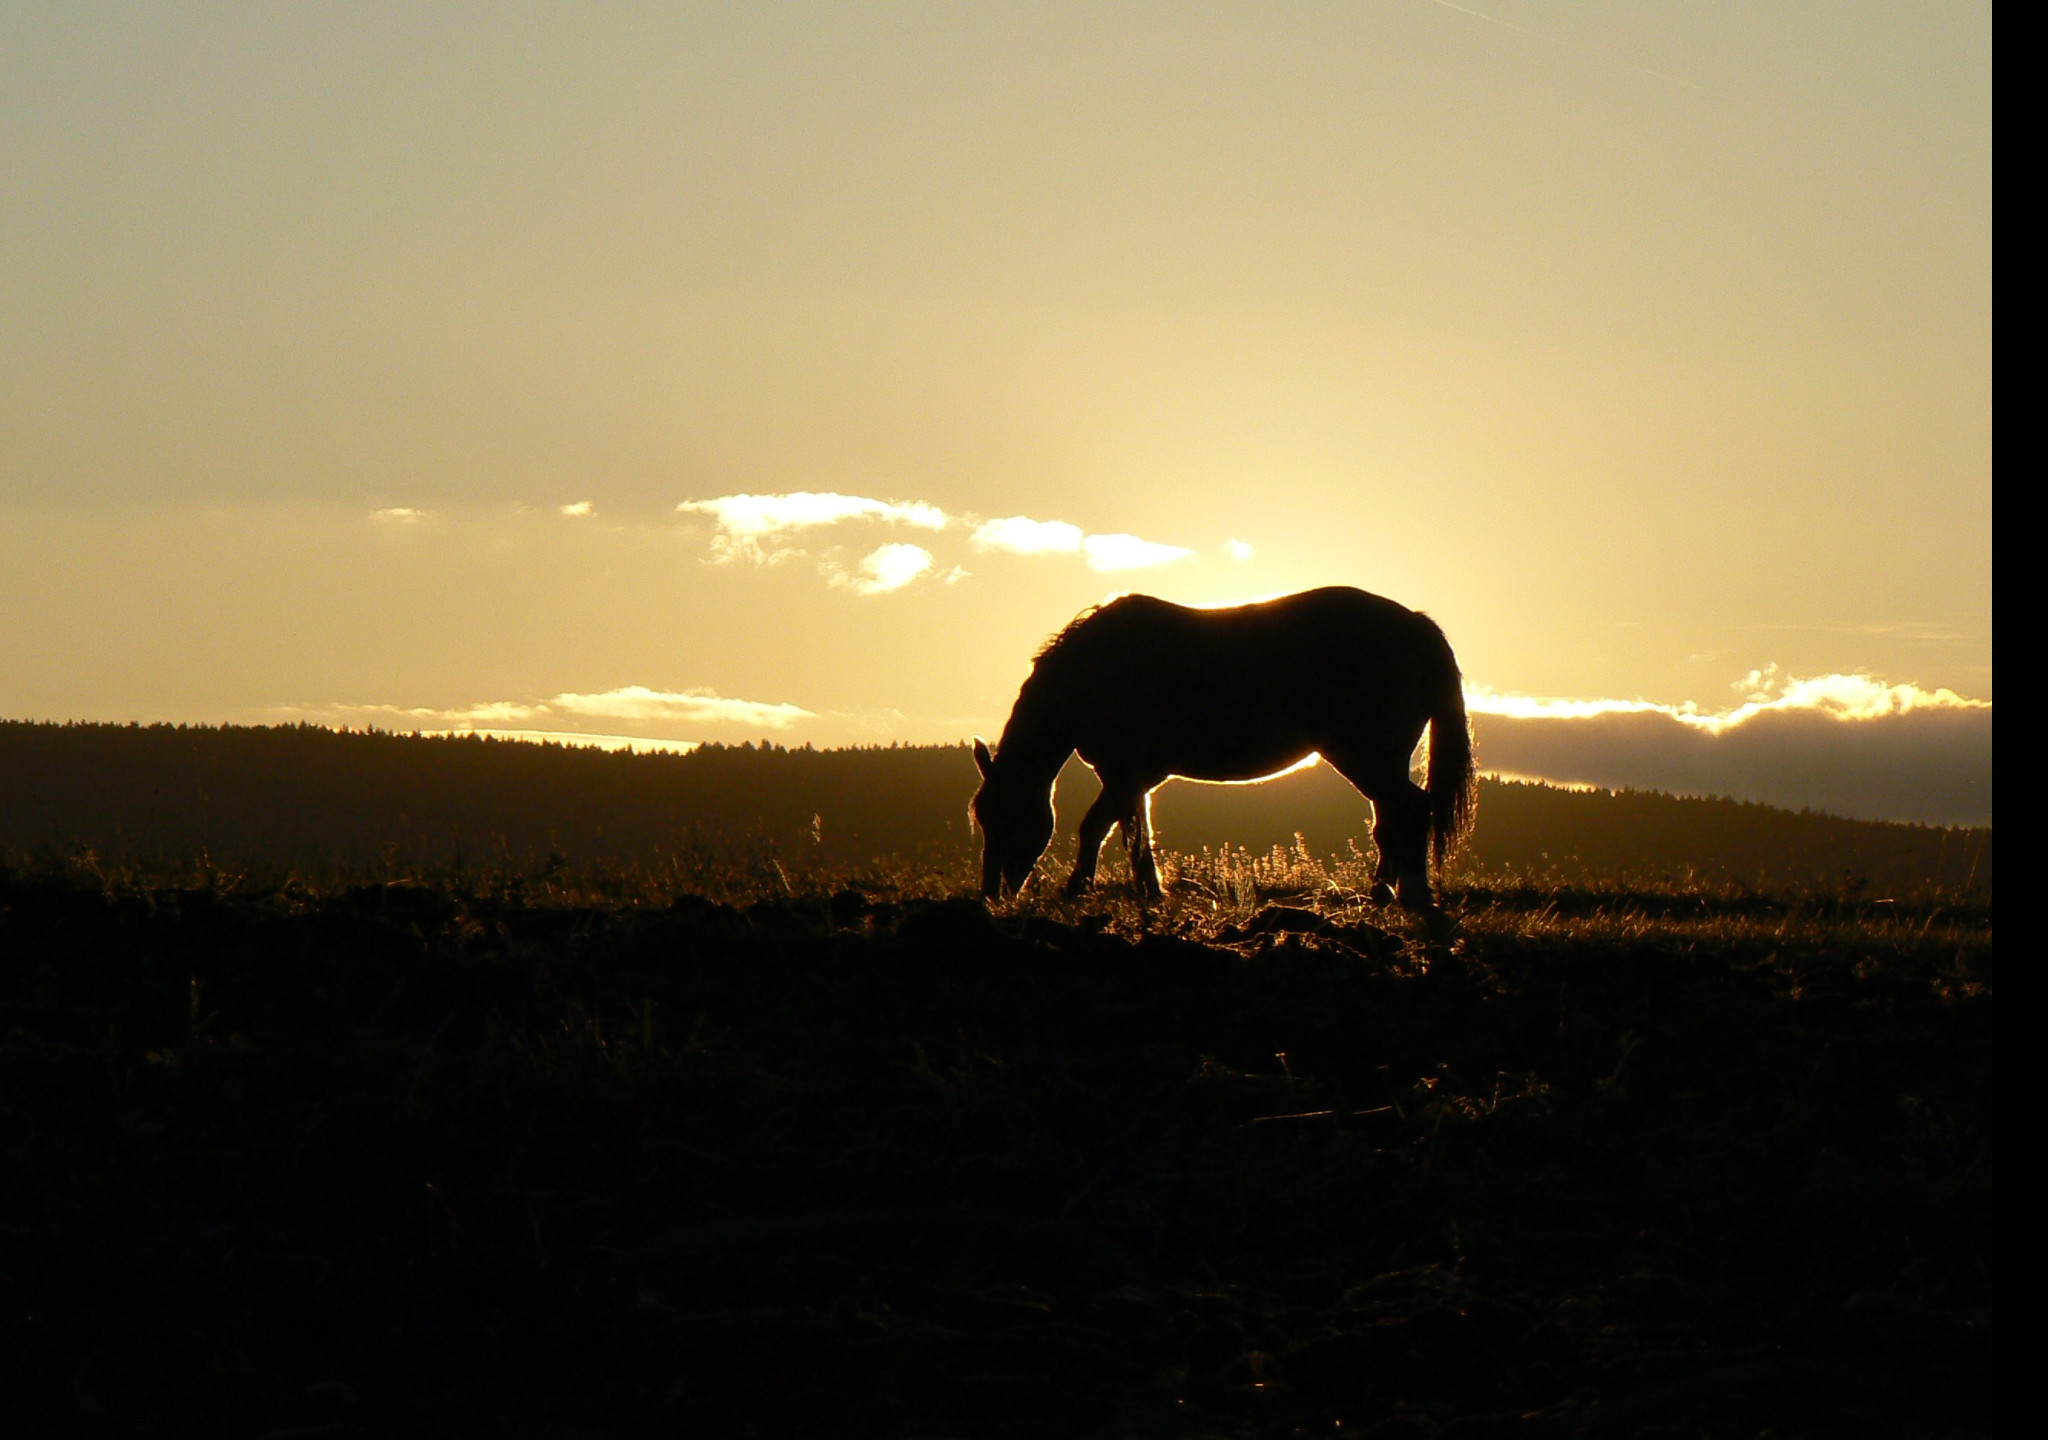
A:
x,y
1146,690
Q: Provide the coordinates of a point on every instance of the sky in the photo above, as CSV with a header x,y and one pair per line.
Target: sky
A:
x,y
714,373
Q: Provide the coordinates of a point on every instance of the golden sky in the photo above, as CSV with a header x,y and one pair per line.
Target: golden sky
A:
x,y
715,372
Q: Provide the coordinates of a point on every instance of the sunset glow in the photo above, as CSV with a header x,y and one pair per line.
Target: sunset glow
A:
x,y
840,358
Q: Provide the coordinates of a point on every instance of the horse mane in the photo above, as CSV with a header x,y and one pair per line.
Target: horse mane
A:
x,y
1064,634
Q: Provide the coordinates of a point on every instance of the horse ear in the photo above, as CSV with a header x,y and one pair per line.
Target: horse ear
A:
x,y
983,760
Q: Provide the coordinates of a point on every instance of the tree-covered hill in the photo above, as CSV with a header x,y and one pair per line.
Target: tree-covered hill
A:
x,y
302,795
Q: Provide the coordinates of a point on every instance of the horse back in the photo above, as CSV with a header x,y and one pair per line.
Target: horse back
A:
x,y
1312,639
1233,689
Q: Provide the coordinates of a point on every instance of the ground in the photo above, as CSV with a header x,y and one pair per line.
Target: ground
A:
x,y
556,1155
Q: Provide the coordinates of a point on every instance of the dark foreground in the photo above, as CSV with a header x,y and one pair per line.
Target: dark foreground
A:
x,y
411,1160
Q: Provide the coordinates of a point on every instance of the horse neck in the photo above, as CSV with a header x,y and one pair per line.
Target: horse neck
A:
x,y
1033,746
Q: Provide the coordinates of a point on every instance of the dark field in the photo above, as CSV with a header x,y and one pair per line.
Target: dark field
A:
x,y
579,1154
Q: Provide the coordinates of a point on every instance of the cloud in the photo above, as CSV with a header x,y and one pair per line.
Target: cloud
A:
x,y
398,515
1020,535
1128,552
1847,697
888,568
578,510
1849,744
755,527
493,713
639,703
1842,697
745,521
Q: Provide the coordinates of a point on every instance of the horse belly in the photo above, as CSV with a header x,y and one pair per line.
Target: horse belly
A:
x,y
1253,759
1217,738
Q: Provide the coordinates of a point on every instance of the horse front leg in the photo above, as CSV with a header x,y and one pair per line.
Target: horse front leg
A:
x,y
1384,873
1137,828
1095,826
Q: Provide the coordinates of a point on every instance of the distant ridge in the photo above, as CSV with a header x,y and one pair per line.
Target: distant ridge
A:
x,y
309,796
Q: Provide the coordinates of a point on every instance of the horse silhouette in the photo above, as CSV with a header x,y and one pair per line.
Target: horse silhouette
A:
x,y
1147,690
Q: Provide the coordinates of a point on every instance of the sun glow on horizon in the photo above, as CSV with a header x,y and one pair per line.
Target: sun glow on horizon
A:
x,y
576,739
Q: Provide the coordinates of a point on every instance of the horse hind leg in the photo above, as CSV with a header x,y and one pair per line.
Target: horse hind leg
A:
x,y
1386,871
1400,829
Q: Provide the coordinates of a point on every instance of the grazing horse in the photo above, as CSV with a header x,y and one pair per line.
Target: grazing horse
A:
x,y
1146,690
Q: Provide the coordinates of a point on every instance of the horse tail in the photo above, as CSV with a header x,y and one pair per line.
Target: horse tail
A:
x,y
1453,778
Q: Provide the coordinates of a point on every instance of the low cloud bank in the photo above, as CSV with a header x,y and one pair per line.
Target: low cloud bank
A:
x,y
1846,744
639,703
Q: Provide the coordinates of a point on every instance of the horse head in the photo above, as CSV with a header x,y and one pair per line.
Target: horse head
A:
x,y
1016,820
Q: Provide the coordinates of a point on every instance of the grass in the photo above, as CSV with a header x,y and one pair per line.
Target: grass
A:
x,y
741,1150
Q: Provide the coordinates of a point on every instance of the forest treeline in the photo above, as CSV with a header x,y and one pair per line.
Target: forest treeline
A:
x,y
309,796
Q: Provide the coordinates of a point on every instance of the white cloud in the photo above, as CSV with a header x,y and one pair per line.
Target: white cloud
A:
x,y
744,521
578,510
756,527
1020,535
888,568
1128,552
493,713
1485,700
1840,697
1239,551
1846,697
399,515
638,702
628,702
